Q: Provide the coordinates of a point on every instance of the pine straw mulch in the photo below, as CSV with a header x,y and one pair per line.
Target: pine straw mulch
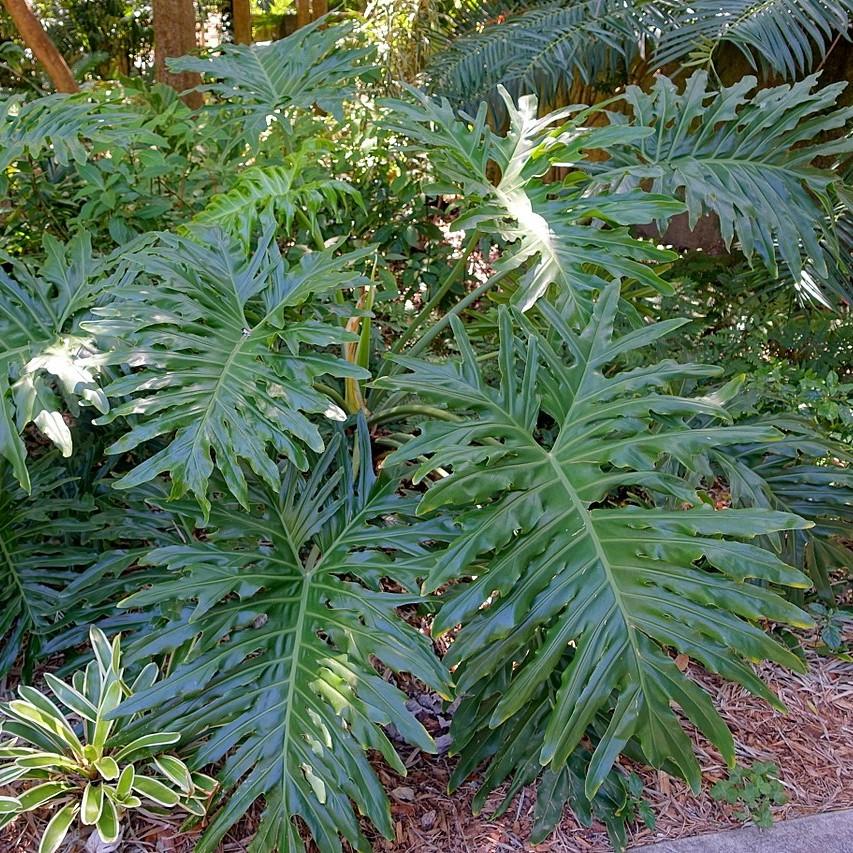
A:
x,y
812,745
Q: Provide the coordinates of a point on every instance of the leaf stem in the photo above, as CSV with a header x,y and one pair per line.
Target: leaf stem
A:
x,y
402,411
458,308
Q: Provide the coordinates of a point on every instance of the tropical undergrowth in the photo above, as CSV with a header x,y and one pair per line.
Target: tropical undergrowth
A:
x,y
255,409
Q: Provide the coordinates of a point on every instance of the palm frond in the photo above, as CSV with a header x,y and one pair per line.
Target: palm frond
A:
x,y
787,37
541,50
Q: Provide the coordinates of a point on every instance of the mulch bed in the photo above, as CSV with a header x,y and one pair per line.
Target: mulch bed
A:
x,y
812,745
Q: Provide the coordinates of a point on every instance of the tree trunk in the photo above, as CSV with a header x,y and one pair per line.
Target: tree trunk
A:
x,y
303,13
174,35
310,10
241,20
44,50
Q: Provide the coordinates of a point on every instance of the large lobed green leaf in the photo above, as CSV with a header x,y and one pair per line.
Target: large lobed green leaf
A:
x,y
803,473
559,234
283,613
46,537
286,79
749,158
579,588
300,186
46,365
217,350
68,128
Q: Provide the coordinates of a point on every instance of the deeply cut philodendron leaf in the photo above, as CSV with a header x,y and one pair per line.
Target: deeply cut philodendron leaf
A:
x,y
746,156
218,345
299,185
803,473
557,233
66,127
43,544
284,614
279,82
578,587
46,368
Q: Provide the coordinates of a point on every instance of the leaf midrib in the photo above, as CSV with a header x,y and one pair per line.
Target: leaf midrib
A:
x,y
232,356
589,525
291,687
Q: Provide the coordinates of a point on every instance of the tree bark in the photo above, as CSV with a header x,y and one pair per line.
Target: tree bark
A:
x,y
310,10
44,50
174,35
303,13
241,19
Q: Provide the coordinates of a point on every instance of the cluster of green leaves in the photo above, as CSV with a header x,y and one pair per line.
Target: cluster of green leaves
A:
x,y
220,493
90,771
115,159
756,789
833,624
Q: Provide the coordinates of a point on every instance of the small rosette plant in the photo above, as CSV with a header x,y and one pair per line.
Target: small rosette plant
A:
x,y
77,762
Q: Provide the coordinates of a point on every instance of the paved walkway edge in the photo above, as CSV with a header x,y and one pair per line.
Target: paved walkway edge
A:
x,y
822,833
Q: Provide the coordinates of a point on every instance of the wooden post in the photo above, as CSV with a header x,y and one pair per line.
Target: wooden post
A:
x,y
310,10
303,13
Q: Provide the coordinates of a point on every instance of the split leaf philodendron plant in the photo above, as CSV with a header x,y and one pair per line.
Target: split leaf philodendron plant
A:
x,y
297,433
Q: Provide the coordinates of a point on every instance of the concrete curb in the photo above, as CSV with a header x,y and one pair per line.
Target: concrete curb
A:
x,y
823,833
